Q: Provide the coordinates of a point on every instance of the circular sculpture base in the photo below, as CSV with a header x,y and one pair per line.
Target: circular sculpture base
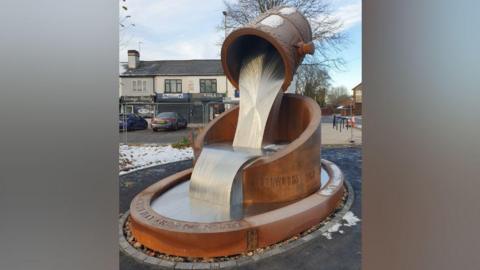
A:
x,y
213,239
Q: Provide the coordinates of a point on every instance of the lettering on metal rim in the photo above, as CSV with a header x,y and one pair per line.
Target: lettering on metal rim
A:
x,y
159,221
276,181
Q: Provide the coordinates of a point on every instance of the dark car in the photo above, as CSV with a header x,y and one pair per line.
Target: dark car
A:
x,y
131,122
168,120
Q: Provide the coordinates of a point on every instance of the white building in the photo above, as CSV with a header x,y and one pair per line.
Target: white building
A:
x,y
150,81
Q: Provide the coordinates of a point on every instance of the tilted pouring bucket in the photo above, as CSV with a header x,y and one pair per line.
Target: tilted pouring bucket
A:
x,y
284,29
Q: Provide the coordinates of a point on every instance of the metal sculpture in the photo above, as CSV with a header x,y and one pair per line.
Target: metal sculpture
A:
x,y
281,192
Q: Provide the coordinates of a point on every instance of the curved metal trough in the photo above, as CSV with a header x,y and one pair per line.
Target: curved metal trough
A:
x,y
288,180
198,239
290,175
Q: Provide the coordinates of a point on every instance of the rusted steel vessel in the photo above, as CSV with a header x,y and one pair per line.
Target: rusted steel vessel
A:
x,y
290,173
284,28
286,185
214,239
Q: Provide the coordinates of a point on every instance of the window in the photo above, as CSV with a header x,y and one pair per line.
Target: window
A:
x,y
167,114
139,86
208,85
173,86
358,96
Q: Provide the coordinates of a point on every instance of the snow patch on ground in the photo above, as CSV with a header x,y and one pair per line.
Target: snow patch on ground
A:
x,y
136,157
348,220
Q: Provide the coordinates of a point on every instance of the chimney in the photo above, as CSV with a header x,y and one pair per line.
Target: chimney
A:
x,y
133,58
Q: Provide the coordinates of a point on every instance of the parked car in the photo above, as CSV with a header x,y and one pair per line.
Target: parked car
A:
x,y
145,112
131,122
168,120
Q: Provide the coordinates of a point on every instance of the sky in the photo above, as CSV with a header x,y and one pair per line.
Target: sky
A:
x,y
188,29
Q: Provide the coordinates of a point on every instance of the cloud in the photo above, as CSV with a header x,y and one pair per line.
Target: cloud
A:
x,y
180,29
185,29
198,47
349,15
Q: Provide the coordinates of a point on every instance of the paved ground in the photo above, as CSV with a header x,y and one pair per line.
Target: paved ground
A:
x,y
330,135
148,136
342,252
333,136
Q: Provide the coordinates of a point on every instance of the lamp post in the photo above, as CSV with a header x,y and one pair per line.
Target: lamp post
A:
x,y
225,37
225,22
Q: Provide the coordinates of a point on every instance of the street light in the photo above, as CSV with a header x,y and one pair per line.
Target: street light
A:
x,y
225,29
225,22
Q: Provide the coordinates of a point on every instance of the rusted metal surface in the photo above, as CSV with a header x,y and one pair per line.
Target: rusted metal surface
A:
x,y
293,172
289,178
289,174
197,239
287,30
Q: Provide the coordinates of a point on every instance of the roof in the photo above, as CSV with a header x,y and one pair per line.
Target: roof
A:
x,y
207,67
357,86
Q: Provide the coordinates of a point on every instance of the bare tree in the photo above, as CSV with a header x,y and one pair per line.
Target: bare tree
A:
x,y
125,24
325,27
313,81
337,96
